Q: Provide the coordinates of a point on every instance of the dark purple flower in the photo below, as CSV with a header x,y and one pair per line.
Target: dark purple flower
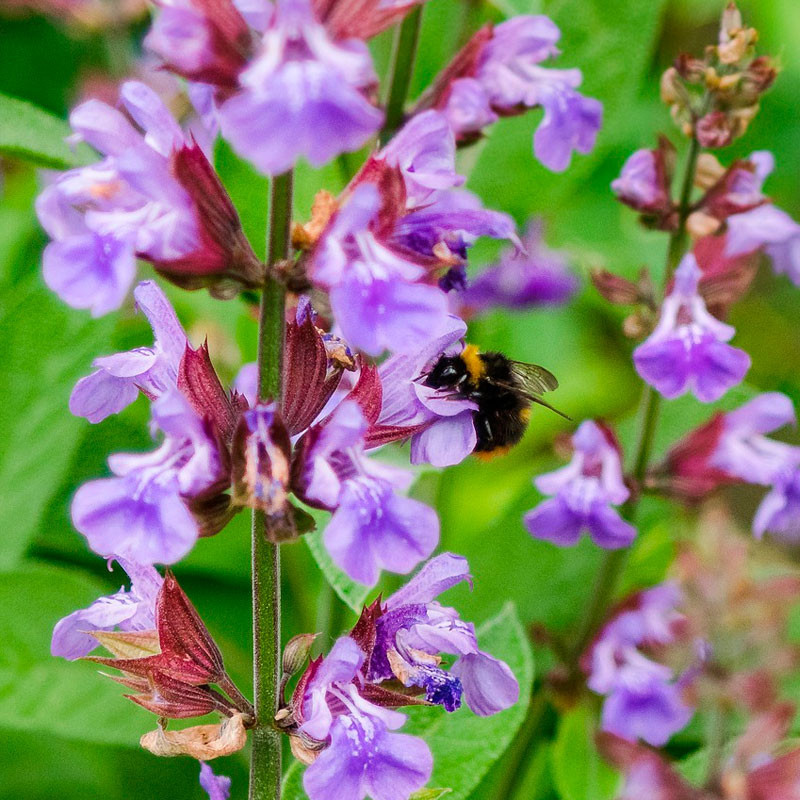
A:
x,y
528,278
303,95
116,382
583,494
217,787
688,349
372,527
414,628
129,610
499,73
362,757
448,434
141,513
643,699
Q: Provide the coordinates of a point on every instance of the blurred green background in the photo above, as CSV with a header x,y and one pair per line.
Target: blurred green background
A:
x,y
67,733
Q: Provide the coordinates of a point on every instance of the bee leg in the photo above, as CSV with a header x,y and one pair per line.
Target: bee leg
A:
x,y
484,431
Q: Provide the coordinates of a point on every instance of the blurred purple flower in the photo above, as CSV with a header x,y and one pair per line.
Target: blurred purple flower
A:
x,y
217,787
303,95
141,514
584,494
644,183
498,73
688,349
449,434
372,527
779,512
414,628
529,278
362,756
116,382
129,610
643,699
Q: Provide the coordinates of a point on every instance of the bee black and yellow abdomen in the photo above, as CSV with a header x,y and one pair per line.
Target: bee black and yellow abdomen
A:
x,y
498,430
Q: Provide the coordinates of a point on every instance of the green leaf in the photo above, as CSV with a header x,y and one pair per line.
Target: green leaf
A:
x,y
35,135
578,770
429,794
47,347
48,695
464,745
352,593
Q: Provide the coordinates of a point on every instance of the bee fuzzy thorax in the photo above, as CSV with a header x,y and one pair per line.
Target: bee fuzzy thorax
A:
x,y
476,366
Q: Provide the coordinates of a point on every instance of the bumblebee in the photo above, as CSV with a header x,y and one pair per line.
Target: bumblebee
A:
x,y
502,389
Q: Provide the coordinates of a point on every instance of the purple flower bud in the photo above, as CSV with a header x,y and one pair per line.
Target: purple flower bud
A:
x,y
140,514
643,183
128,610
687,351
153,370
303,95
530,278
217,787
583,494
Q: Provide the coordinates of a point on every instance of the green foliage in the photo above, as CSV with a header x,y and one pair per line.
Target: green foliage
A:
x,y
578,770
35,135
38,432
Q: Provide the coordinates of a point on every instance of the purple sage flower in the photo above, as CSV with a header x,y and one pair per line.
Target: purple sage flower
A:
x,y
779,512
644,183
372,527
499,73
303,95
377,296
217,787
128,609
448,434
414,628
363,755
116,382
688,349
101,216
140,513
643,697
529,278
583,494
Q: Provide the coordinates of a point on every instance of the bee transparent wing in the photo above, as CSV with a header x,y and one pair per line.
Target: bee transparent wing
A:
x,y
532,379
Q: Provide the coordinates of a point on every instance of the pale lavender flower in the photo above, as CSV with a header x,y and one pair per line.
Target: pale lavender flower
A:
x,y
377,296
643,697
449,434
583,494
414,628
372,527
217,787
531,277
771,229
140,514
116,382
303,95
744,451
103,215
128,609
363,756
688,349
779,512
499,73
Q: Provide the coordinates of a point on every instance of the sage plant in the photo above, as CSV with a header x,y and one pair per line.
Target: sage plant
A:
x,y
359,297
